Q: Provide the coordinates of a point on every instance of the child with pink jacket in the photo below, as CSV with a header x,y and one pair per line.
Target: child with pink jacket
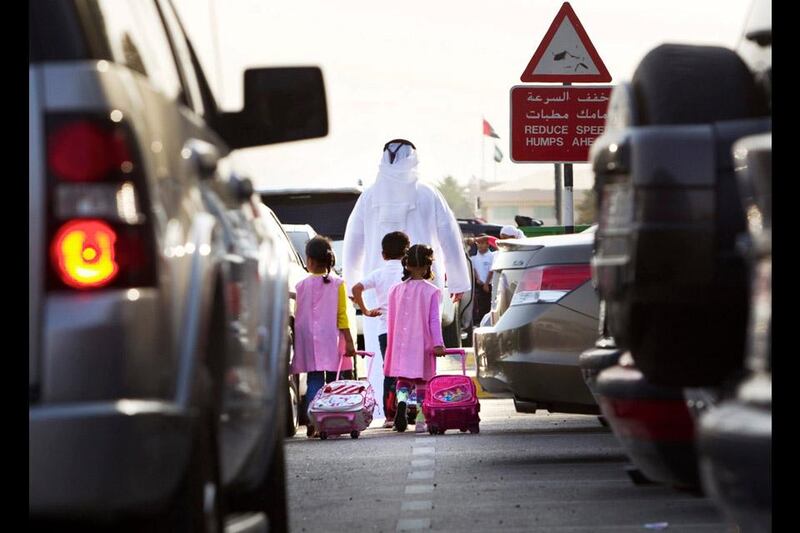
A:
x,y
414,332
321,328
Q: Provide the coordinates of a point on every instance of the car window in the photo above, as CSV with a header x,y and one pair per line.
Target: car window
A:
x,y
137,39
326,212
299,240
184,57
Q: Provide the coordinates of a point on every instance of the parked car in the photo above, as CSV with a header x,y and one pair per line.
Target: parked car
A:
x,y
735,435
665,180
470,227
157,313
544,314
297,272
300,234
652,422
327,210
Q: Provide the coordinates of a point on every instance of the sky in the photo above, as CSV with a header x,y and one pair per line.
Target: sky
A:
x,y
425,70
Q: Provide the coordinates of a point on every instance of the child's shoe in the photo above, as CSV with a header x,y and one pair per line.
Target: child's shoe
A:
x,y
400,420
389,423
310,431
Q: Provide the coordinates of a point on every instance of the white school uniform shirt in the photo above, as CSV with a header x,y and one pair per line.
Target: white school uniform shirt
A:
x,y
482,263
382,279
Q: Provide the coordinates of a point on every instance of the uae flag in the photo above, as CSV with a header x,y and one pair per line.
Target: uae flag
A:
x,y
498,155
489,130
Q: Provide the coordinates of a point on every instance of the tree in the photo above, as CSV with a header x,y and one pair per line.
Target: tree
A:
x,y
455,195
586,209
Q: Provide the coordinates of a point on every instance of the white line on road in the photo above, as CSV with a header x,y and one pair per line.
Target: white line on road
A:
x,y
419,489
410,524
423,462
421,474
423,450
417,505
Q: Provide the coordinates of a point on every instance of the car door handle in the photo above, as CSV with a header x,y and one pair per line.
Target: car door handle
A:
x,y
203,155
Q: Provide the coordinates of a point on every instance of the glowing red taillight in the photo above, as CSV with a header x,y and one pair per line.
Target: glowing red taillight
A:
x,y
84,151
555,278
83,254
99,231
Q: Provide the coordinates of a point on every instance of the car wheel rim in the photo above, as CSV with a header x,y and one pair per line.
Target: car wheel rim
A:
x,y
295,407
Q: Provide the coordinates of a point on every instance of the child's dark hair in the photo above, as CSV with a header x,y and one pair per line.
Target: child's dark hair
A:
x,y
319,249
395,244
418,255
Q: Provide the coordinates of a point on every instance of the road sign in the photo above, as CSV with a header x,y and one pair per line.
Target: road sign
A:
x,y
556,124
566,54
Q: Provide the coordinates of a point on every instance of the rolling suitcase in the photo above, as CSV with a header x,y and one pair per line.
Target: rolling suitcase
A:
x,y
452,401
343,406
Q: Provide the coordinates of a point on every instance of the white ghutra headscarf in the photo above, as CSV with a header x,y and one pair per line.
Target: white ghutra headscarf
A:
x,y
395,188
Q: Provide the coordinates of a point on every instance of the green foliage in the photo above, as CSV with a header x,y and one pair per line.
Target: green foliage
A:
x,y
456,197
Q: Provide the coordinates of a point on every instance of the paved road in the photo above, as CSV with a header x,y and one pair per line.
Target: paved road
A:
x,y
535,473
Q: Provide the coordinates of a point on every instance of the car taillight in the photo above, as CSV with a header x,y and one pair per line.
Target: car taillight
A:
x,y
99,236
83,252
83,151
550,283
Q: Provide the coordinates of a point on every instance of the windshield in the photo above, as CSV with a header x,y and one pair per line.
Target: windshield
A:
x,y
299,240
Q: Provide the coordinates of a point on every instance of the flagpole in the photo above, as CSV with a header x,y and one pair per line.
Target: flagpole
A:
x,y
483,139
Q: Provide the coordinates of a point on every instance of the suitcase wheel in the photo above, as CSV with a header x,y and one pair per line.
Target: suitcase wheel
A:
x,y
354,434
463,430
475,429
432,430
323,435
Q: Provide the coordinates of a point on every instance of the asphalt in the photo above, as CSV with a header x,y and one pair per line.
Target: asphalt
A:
x,y
534,473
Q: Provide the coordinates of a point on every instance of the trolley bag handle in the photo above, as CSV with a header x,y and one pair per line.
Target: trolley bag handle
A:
x,y
362,353
462,353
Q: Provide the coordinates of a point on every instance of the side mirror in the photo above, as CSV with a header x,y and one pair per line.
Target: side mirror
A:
x,y
280,105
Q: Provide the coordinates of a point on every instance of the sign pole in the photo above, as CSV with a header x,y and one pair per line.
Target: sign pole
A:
x,y
568,218
569,226
558,193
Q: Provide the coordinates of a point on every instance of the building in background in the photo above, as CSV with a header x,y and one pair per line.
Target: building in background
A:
x,y
499,203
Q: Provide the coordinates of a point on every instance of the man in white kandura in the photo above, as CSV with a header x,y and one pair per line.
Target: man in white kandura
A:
x,y
398,201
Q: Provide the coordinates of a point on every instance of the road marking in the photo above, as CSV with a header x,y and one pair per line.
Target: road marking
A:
x,y
423,450
423,462
419,489
410,524
417,505
423,440
421,474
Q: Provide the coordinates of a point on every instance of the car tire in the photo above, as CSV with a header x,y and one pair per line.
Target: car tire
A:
x,y
292,407
686,84
198,502
269,496
691,343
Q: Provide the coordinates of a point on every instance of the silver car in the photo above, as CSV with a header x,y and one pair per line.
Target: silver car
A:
x,y
158,310
544,314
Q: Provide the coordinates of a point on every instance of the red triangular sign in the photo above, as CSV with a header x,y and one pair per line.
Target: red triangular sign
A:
x,y
566,54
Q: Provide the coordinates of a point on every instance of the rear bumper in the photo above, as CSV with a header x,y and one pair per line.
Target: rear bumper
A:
x,y
652,423
92,459
514,361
